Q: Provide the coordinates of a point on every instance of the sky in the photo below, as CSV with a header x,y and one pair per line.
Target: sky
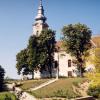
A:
x,y
17,17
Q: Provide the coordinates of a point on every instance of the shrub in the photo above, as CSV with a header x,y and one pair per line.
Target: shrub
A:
x,y
7,96
94,88
2,73
94,91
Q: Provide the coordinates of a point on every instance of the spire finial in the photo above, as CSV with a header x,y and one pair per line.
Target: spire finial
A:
x,y
40,2
40,14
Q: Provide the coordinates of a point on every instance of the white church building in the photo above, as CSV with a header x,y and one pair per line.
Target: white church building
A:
x,y
65,68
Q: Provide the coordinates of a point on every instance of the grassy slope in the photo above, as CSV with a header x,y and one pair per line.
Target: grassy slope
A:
x,y
32,83
96,40
7,96
61,88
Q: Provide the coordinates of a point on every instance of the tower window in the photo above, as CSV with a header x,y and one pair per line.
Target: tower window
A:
x,y
69,63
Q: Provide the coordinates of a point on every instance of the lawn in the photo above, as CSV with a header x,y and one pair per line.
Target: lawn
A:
x,y
25,85
61,88
7,96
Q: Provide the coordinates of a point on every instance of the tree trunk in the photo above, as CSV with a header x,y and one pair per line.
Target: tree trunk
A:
x,y
32,74
80,69
50,71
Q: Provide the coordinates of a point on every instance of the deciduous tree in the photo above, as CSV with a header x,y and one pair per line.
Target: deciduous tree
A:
x,y
47,39
38,54
22,64
77,41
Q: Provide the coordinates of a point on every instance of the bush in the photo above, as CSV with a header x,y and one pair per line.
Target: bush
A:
x,y
94,91
2,73
94,88
7,96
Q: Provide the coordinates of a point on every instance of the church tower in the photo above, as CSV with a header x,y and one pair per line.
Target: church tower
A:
x,y
40,21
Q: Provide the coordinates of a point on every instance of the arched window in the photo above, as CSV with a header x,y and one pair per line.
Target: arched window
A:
x,y
69,63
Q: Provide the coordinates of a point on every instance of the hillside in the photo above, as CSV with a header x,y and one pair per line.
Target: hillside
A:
x,y
61,88
96,40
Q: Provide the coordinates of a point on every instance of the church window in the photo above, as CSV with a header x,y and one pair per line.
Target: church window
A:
x,y
69,73
69,63
56,64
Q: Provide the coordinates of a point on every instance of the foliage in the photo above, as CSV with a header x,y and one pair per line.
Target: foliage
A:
x,y
77,41
94,91
27,58
32,52
7,96
94,88
2,73
38,54
47,39
94,76
22,63
97,59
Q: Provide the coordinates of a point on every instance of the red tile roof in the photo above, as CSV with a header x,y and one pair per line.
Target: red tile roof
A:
x,y
95,42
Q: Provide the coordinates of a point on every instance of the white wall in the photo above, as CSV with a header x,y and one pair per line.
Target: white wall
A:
x,y
63,58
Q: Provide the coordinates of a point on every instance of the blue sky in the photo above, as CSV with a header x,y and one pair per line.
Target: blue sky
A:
x,y
17,17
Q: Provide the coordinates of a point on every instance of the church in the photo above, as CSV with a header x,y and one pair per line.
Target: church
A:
x,y
66,67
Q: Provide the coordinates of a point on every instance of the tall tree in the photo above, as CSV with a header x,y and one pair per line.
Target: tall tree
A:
x,y
38,54
27,58
77,41
33,61
2,73
47,43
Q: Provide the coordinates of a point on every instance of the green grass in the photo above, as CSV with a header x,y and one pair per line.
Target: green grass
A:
x,y
78,81
7,96
25,85
10,81
61,88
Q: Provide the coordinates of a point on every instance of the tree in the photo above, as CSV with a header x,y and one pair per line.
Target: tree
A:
x,y
77,41
38,54
33,54
22,64
2,73
27,58
47,43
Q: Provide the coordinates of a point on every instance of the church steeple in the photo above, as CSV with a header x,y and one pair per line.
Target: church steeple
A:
x,y
40,14
40,20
